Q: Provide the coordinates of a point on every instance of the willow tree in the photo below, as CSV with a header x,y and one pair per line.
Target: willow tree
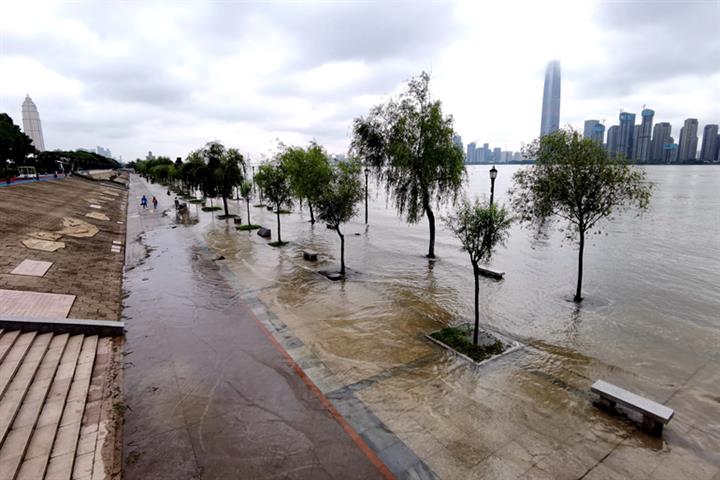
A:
x,y
575,181
274,181
338,200
480,227
309,171
409,145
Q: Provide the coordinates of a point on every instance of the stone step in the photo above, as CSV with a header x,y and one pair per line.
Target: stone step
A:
x,y
16,443
63,453
13,359
37,454
7,339
18,387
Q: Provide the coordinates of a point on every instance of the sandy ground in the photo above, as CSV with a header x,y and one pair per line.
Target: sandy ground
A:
x,y
86,267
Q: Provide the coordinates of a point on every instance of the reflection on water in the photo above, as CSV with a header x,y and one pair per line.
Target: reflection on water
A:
x,y
650,318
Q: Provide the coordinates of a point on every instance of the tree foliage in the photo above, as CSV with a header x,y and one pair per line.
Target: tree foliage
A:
x,y
480,227
309,171
215,170
15,146
246,193
274,181
338,200
409,144
575,181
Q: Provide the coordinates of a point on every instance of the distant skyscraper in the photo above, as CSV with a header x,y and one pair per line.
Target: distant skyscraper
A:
x,y
708,152
598,133
625,135
612,139
636,134
497,155
642,146
550,120
687,145
470,155
31,123
661,137
588,130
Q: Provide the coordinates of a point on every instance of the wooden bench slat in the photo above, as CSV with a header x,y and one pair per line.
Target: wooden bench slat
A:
x,y
631,400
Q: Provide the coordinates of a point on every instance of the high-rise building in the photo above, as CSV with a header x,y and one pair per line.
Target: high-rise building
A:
x,y
636,134
105,152
660,137
598,133
670,151
612,139
550,120
497,155
708,152
470,154
687,145
31,123
588,128
642,146
625,135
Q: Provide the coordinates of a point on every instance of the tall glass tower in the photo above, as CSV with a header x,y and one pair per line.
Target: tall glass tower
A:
x,y
550,121
31,123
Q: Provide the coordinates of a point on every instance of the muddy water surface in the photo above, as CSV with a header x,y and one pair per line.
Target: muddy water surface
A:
x,y
650,323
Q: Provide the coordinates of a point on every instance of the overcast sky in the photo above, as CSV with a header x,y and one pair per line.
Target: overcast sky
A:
x,y
169,76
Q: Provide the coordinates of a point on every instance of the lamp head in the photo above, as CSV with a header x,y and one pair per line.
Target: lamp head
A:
x,y
493,173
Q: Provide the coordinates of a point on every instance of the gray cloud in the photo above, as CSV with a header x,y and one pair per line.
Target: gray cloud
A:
x,y
653,42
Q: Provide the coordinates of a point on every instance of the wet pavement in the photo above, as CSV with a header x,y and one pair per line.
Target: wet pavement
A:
x,y
209,393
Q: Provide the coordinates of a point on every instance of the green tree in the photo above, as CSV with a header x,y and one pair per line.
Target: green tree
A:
x,y
229,174
309,171
574,180
245,193
409,144
15,146
274,181
215,170
481,227
337,203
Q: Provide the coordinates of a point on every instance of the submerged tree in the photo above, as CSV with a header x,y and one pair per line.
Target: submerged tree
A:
x,y
339,198
574,180
215,170
309,171
480,227
245,193
409,144
273,180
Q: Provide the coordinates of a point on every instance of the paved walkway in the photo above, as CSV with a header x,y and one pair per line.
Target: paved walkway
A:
x,y
210,394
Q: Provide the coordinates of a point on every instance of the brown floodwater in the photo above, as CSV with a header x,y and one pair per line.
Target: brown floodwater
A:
x,y
650,322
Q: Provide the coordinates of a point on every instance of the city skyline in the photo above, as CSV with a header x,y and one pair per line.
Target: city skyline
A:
x,y
184,75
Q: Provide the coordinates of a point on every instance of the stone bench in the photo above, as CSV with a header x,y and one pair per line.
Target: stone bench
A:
x,y
655,415
310,256
264,232
486,271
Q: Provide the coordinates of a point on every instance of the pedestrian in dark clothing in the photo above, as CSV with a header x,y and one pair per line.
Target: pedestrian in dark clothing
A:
x,y
143,201
155,202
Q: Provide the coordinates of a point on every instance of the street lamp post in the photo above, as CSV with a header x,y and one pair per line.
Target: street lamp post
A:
x,y
367,172
493,176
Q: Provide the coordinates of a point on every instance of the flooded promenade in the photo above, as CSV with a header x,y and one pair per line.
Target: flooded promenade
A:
x,y
208,394
649,323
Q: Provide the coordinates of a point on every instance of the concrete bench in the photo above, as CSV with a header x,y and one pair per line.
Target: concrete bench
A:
x,y
655,415
310,255
486,271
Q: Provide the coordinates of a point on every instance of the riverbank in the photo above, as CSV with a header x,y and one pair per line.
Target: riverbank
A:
x,y
60,273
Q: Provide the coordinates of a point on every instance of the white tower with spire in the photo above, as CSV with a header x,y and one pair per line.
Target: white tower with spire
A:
x,y
31,123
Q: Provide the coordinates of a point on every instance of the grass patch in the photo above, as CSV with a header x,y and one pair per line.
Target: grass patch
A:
x,y
229,215
210,209
259,205
282,212
278,244
195,200
245,228
460,339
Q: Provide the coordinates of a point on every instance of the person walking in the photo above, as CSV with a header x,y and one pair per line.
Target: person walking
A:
x,y
143,202
155,202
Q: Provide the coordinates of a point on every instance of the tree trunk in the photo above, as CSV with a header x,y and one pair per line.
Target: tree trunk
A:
x,y
225,205
476,274
342,251
431,221
578,290
247,204
312,215
278,220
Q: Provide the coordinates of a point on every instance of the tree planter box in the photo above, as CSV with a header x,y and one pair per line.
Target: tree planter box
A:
x,y
310,256
264,232
508,345
486,271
